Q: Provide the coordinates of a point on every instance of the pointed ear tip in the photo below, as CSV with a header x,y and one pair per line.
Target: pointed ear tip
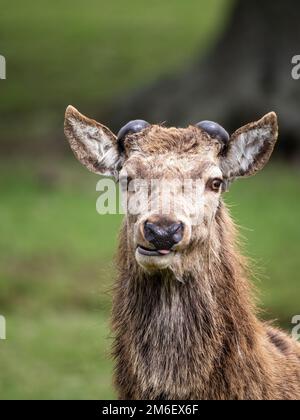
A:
x,y
272,117
71,112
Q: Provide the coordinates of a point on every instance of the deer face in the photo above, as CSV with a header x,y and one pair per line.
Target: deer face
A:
x,y
172,179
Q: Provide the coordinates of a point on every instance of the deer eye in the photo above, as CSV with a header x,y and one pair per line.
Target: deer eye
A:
x,y
215,184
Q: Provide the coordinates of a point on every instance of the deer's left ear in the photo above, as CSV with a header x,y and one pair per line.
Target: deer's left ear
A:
x,y
250,148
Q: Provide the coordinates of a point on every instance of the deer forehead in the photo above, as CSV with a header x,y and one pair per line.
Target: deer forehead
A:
x,y
160,152
171,166
158,140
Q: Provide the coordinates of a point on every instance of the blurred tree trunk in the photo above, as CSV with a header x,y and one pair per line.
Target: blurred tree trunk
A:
x,y
248,73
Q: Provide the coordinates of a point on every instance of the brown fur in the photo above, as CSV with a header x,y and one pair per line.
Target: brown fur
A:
x,y
199,339
159,140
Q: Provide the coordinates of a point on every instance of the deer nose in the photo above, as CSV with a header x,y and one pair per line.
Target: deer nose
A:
x,y
163,236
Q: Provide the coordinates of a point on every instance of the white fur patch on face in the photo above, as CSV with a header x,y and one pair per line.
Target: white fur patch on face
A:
x,y
213,172
94,145
250,148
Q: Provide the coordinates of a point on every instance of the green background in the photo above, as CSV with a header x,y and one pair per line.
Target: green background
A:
x,y
56,252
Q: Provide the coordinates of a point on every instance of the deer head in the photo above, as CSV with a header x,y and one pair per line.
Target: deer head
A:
x,y
160,161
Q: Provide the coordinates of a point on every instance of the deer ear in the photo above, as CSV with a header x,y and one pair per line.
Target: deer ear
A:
x,y
93,144
250,148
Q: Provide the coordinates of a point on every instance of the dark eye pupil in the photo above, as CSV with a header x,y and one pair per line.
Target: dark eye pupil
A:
x,y
216,184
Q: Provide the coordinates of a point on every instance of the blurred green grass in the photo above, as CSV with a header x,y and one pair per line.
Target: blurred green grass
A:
x,y
57,271
56,356
115,44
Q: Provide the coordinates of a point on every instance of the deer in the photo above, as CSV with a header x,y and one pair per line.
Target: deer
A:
x,y
185,320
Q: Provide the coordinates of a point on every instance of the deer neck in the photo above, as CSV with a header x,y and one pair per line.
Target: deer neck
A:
x,y
180,323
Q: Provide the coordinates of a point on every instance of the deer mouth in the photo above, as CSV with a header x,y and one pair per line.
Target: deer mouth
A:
x,y
153,252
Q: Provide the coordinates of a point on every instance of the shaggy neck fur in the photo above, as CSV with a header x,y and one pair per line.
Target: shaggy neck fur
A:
x,y
194,339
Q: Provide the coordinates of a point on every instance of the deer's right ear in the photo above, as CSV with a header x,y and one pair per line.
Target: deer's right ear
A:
x,y
93,144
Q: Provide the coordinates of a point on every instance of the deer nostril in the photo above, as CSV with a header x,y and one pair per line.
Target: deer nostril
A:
x,y
178,233
151,231
174,228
